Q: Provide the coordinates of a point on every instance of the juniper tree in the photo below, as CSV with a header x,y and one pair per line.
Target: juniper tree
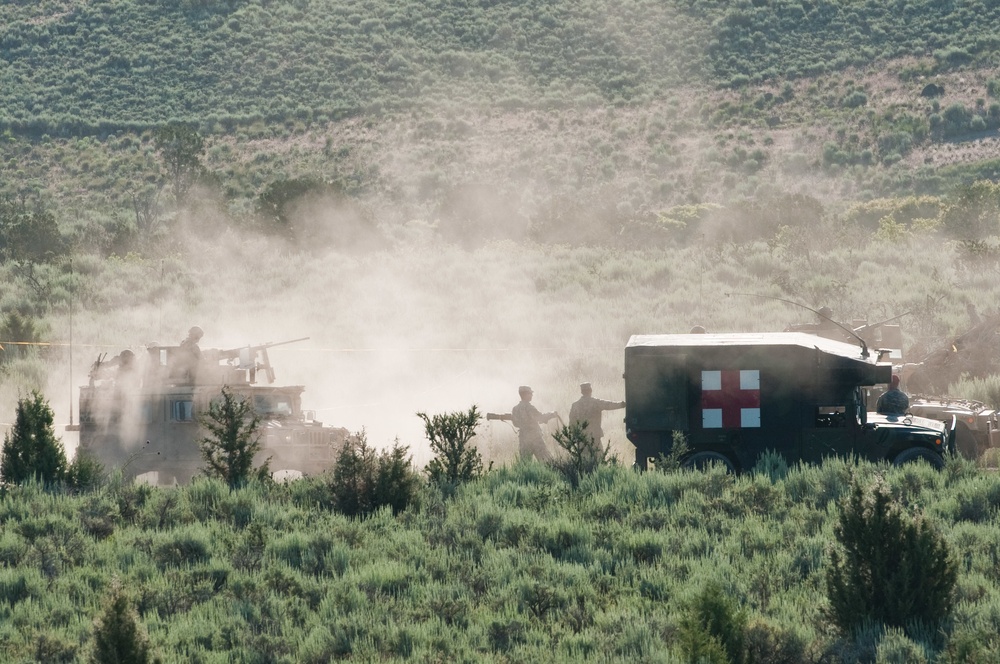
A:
x,y
30,448
181,147
233,440
889,568
118,635
364,480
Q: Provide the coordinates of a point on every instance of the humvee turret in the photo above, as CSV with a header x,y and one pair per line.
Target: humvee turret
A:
x,y
737,396
140,414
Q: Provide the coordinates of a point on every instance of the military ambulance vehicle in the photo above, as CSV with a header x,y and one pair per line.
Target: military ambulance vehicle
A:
x,y
140,413
737,396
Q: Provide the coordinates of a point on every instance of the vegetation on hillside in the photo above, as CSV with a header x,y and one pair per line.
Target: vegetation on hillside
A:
x,y
423,109
102,67
452,199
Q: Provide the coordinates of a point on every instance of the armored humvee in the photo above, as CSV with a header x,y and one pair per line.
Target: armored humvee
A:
x,y
736,396
971,353
978,426
140,413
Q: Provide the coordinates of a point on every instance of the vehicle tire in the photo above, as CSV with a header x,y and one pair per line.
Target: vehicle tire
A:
x,y
704,460
916,454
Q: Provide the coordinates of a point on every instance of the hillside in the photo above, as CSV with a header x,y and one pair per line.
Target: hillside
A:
x,y
640,106
566,173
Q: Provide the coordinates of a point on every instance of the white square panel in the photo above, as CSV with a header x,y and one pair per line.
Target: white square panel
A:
x,y
711,380
750,417
711,418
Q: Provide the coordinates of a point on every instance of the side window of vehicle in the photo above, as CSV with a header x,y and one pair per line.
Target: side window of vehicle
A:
x,y
182,410
830,417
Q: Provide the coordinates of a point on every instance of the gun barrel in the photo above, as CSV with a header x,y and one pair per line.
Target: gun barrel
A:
x,y
272,344
235,352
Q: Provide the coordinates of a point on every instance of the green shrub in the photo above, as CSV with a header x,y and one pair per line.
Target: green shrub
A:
x,y
713,628
130,496
772,465
364,480
767,644
31,449
118,635
13,549
889,568
396,482
305,553
20,332
18,585
182,547
678,450
896,648
854,99
28,235
585,453
233,440
99,517
85,473
455,460
974,212
248,552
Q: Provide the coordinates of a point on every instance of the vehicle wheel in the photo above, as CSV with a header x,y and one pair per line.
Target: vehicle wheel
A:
x,y
916,454
704,460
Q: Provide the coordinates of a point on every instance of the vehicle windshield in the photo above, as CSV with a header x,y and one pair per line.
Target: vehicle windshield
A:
x,y
271,405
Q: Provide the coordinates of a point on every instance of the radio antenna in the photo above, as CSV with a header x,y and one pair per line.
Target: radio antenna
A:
x,y
72,291
864,346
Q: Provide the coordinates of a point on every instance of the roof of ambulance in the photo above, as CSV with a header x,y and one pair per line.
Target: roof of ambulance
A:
x,y
736,339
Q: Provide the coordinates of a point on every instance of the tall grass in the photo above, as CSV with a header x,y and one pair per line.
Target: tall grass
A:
x,y
517,563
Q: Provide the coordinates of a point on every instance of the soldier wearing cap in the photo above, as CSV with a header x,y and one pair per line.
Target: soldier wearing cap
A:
x,y
587,410
528,421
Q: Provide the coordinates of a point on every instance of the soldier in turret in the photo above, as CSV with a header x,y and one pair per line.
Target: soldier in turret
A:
x,y
187,357
894,401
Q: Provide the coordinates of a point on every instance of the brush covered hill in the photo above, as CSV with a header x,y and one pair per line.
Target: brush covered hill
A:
x,y
762,144
645,104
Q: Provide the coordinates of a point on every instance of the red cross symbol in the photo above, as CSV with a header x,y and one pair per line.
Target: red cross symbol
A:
x,y
730,399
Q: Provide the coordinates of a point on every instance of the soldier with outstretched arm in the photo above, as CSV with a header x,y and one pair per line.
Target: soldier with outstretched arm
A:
x,y
587,410
528,420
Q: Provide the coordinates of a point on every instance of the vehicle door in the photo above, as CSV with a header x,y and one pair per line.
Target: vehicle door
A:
x,y
833,428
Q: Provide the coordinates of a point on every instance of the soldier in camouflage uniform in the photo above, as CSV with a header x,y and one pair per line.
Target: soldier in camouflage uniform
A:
x,y
528,419
894,401
588,410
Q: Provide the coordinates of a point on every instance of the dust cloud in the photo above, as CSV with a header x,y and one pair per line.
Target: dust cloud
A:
x,y
421,326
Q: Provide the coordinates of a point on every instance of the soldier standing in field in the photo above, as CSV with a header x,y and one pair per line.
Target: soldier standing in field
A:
x,y
587,410
528,421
